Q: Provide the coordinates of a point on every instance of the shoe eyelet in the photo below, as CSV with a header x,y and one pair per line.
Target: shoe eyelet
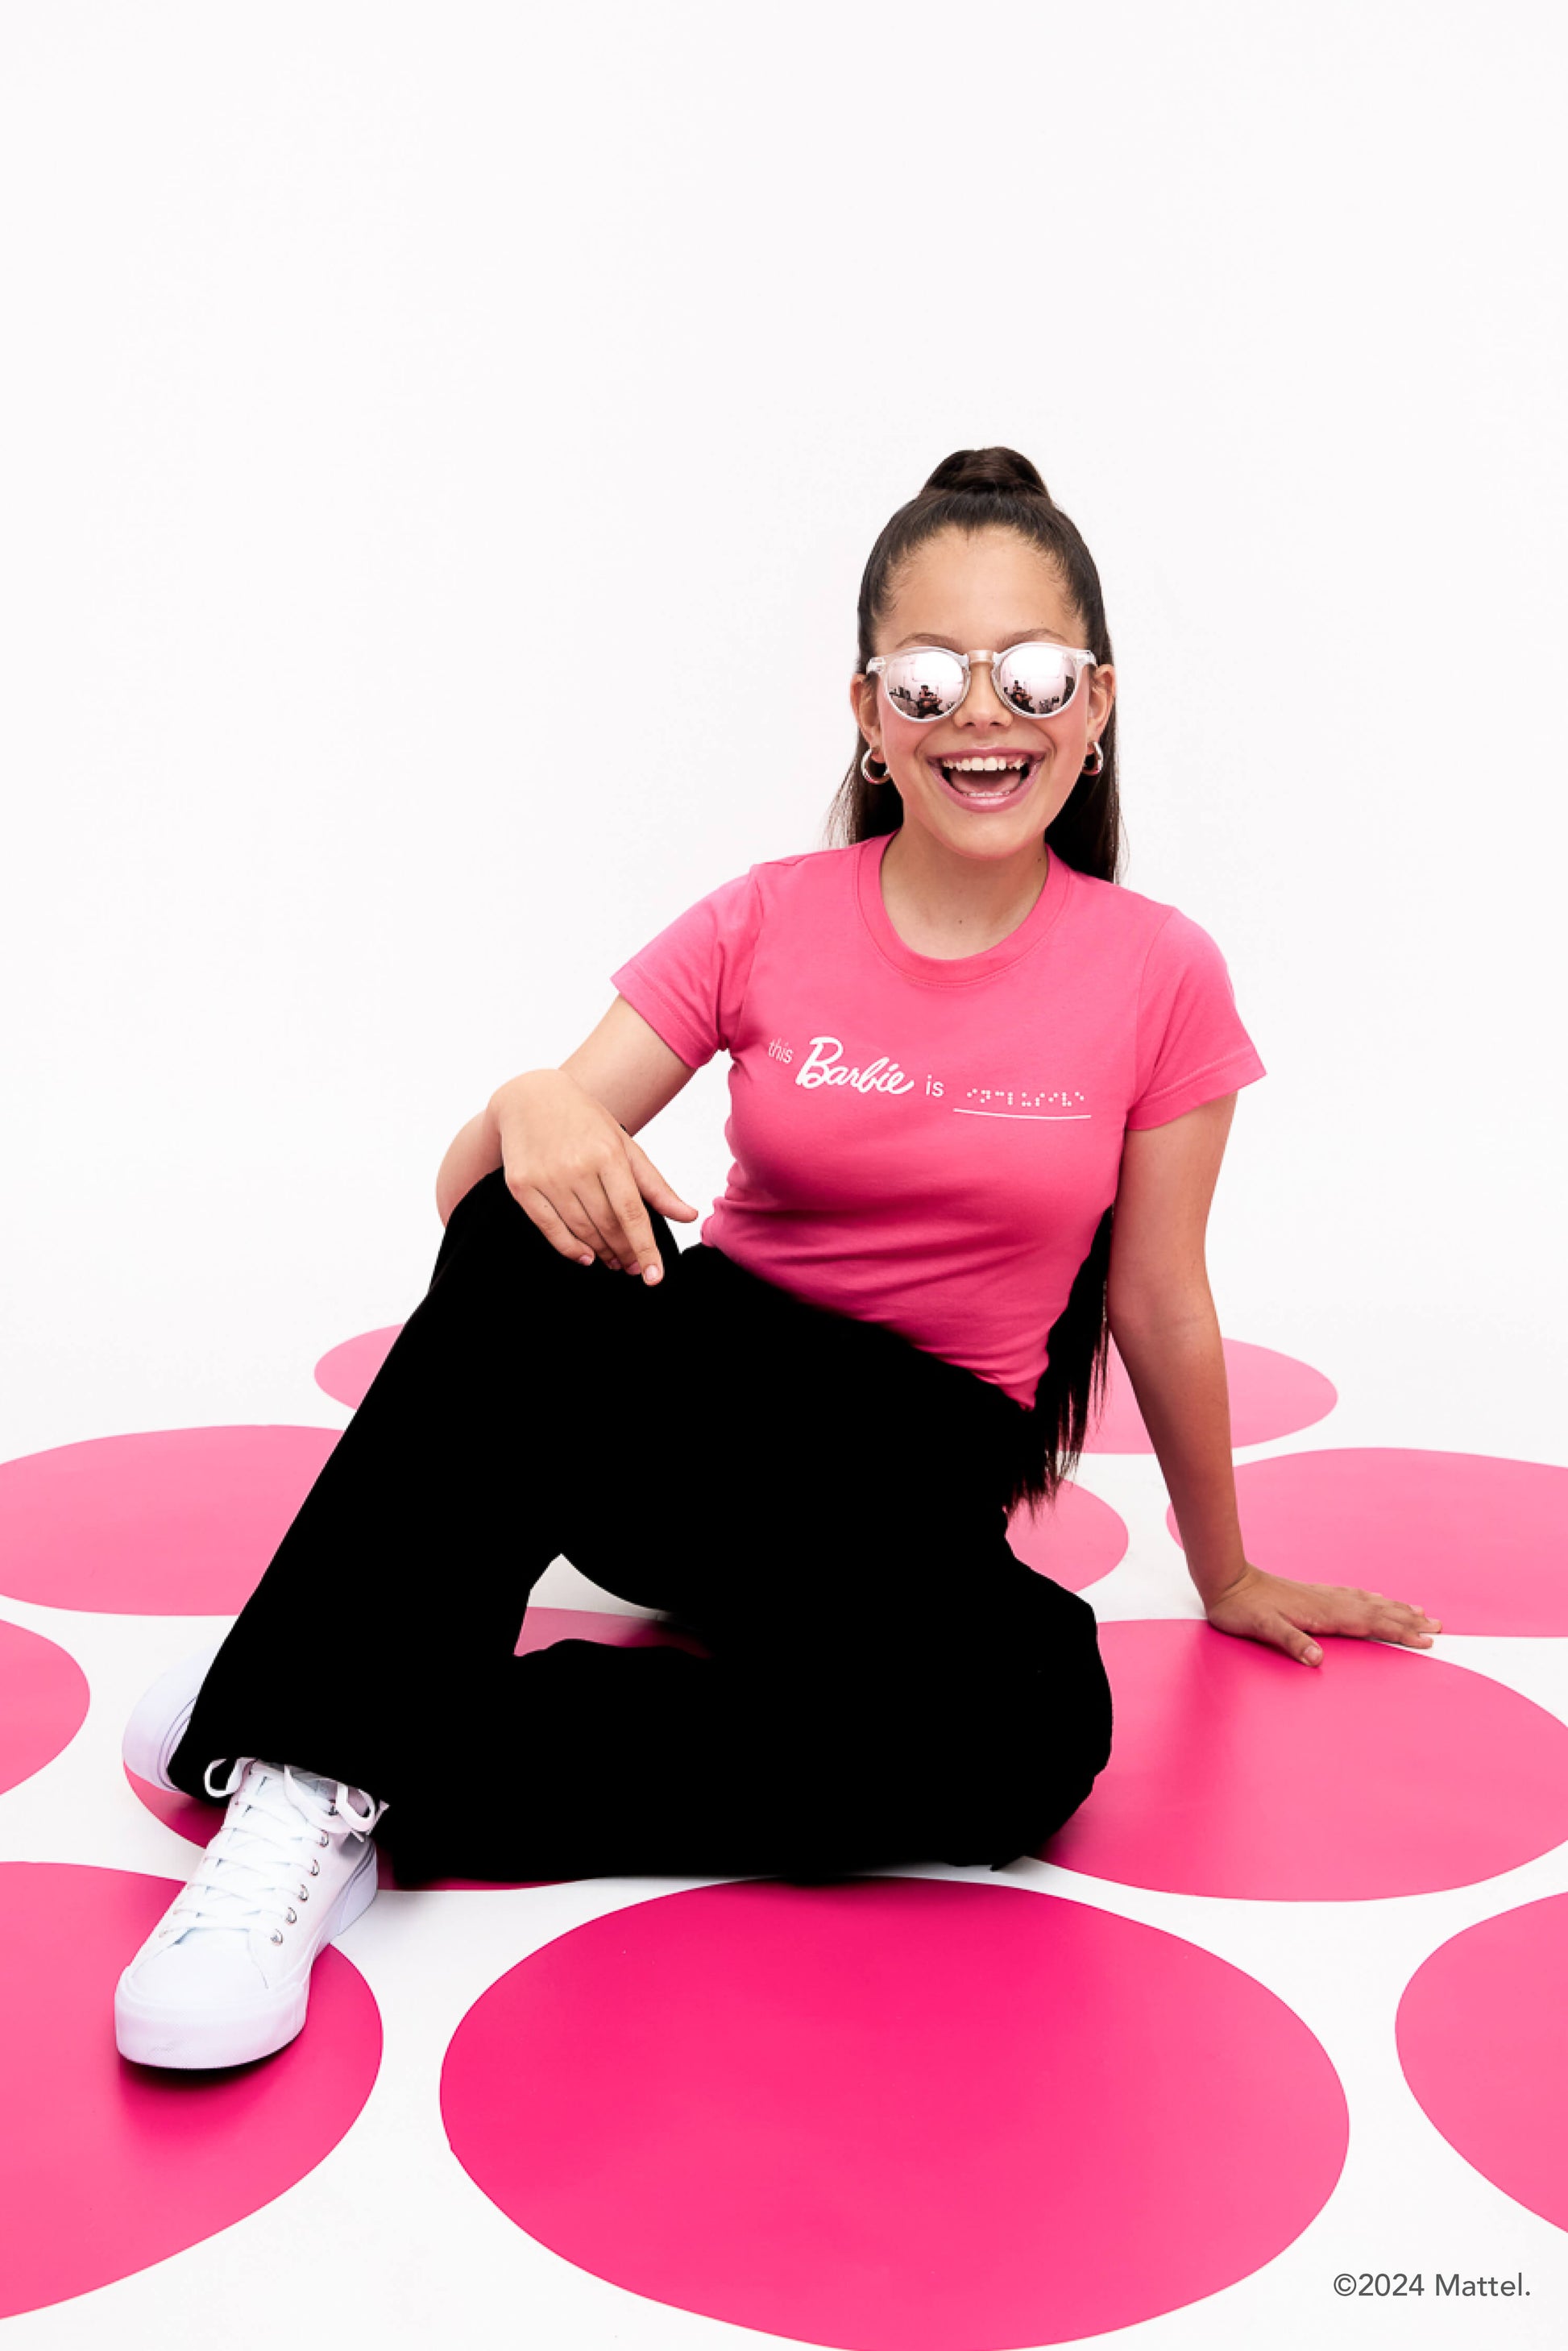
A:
x,y
293,1915
322,1838
305,1894
315,1869
278,1936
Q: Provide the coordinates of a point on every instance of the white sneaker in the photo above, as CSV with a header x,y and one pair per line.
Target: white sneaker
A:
x,y
226,1974
162,1716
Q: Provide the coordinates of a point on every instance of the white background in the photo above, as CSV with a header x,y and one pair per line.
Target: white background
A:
x,y
385,383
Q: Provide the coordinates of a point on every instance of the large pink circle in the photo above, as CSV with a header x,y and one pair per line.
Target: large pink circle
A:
x,y
1482,2032
198,1824
1235,1771
347,1371
166,1522
894,2114
1270,1396
1478,1541
107,2167
43,1702
1075,1541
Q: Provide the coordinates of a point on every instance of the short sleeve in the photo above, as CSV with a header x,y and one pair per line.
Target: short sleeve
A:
x,y
689,982
1191,1044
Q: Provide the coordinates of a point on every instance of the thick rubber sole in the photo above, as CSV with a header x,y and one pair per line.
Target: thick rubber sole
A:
x,y
150,2032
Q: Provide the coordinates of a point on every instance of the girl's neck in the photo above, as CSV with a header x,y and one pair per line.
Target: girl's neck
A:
x,y
945,905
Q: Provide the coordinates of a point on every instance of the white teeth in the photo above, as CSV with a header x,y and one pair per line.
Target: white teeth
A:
x,y
979,766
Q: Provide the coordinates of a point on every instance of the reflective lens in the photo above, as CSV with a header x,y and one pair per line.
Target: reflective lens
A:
x,y
927,683
1037,680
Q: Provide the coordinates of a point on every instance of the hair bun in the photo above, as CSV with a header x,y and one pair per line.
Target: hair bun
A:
x,y
987,469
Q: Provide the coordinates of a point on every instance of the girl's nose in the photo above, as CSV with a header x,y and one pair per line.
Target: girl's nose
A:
x,y
983,700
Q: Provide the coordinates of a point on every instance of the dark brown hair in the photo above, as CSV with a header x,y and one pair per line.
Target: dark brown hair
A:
x,y
992,489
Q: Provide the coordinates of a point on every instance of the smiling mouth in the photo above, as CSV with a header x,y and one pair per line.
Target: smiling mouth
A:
x,y
996,777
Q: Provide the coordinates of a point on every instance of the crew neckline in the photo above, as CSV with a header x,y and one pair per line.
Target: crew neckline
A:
x,y
954,971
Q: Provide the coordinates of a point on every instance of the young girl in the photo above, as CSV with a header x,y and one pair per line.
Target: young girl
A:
x,y
979,1097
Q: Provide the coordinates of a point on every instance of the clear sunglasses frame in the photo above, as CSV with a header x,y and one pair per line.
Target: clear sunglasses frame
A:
x,y
1078,654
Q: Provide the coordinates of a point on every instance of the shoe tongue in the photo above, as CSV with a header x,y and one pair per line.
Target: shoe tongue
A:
x,y
245,1845
354,1812
326,1789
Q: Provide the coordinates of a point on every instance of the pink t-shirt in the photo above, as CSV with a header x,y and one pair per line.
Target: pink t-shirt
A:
x,y
924,1143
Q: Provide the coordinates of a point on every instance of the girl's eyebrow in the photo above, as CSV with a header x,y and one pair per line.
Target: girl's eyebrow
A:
x,y
1019,637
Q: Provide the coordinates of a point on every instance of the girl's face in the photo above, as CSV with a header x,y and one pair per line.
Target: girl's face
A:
x,y
981,591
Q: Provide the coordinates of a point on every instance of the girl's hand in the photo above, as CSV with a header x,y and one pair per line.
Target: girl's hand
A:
x,y
577,1174
1285,1615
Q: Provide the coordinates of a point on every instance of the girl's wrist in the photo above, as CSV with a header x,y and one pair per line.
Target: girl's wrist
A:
x,y
1214,1579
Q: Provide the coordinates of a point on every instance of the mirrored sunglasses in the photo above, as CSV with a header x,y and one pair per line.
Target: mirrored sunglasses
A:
x,y
926,681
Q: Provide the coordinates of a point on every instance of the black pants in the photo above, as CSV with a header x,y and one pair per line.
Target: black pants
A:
x,y
814,1496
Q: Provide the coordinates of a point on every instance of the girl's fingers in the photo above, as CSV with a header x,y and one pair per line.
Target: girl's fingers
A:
x,y
594,1224
1411,1624
1297,1642
1397,1621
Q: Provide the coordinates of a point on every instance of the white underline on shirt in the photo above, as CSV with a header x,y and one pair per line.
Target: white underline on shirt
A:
x,y
1050,1117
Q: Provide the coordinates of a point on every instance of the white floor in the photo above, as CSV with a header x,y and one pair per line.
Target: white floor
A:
x,y
423,2256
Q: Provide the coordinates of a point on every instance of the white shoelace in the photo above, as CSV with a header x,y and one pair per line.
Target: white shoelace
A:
x,y
263,1842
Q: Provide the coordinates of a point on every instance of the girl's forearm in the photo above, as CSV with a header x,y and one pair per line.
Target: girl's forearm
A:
x,y
1175,1363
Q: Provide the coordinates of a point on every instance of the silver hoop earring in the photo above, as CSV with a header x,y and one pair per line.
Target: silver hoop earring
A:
x,y
886,774
1094,765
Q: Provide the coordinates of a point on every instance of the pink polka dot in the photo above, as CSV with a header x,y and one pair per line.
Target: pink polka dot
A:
x,y
167,1522
345,1372
43,1703
1270,1396
894,2114
1482,2032
1075,1541
1478,1541
1235,1771
105,2166
198,1824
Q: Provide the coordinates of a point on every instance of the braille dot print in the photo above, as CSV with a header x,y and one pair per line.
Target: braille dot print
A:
x,y
1059,1101
107,2167
1482,2032
1478,1541
1270,1396
43,1702
894,2114
166,1522
1236,1770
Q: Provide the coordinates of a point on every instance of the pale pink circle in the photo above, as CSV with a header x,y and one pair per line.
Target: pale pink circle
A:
x,y
1075,1541
894,2114
1482,2032
347,1371
164,1522
1478,1541
198,1824
1270,1396
1236,1770
107,2167
43,1702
